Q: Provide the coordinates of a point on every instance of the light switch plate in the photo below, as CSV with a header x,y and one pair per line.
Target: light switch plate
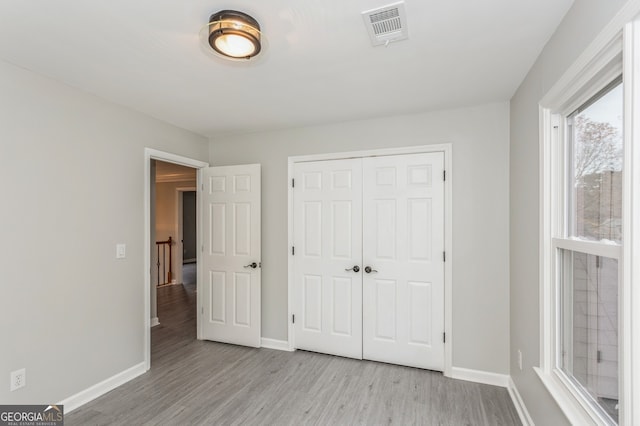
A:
x,y
121,251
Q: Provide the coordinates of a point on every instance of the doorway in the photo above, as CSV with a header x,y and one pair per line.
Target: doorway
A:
x,y
161,231
186,231
175,301
188,226
187,235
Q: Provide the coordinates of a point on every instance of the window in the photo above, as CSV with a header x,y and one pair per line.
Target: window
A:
x,y
587,242
595,167
590,343
590,233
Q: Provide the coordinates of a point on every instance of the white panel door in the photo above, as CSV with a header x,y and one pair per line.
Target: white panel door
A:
x,y
328,244
231,259
403,242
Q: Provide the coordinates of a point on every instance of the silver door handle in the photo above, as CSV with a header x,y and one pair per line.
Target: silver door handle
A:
x,y
253,265
370,270
355,268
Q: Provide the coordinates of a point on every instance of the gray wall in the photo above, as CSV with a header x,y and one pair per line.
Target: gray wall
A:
x,y
582,23
480,213
72,168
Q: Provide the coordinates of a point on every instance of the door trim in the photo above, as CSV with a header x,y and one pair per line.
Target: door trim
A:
x,y
448,230
154,154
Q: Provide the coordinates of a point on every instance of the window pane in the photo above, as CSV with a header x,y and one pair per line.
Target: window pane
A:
x,y
596,154
590,326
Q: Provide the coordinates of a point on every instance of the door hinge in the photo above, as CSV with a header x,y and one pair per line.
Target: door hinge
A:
x,y
444,337
202,310
444,175
444,256
293,183
293,251
293,318
202,186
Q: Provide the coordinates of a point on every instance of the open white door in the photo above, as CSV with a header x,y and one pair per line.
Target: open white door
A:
x,y
403,244
230,303
328,252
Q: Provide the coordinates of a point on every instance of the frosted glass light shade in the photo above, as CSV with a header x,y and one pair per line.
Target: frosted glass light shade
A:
x,y
234,34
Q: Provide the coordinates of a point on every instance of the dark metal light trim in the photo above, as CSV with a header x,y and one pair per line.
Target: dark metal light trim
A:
x,y
228,22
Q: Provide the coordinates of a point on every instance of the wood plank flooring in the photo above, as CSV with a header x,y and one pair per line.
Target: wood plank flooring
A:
x,y
205,383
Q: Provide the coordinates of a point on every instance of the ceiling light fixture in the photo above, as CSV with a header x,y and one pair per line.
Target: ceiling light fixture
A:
x,y
234,34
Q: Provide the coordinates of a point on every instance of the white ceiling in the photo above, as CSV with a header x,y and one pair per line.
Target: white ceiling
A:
x,y
319,65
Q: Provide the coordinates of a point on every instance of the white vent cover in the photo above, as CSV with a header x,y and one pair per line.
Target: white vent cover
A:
x,y
386,24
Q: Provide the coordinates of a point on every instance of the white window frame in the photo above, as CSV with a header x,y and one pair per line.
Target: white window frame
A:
x,y
601,63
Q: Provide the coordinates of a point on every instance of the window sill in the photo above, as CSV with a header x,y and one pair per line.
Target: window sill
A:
x,y
573,409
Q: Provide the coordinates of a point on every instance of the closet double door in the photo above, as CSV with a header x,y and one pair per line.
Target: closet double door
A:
x,y
368,262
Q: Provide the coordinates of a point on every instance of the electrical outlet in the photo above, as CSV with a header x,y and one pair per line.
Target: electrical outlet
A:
x,y
520,359
18,379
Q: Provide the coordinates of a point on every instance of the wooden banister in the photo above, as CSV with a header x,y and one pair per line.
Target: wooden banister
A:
x,y
168,274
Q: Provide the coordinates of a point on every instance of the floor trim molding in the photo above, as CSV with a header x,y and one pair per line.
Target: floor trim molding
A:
x,y
281,345
155,321
99,389
479,376
523,413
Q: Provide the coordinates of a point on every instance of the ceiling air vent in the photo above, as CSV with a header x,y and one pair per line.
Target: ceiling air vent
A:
x,y
386,24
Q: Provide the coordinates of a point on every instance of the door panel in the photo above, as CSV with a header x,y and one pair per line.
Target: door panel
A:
x,y
217,225
386,296
403,297
328,240
231,238
385,214
419,318
312,306
217,291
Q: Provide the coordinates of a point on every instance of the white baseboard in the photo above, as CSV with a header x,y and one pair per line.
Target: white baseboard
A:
x,y
479,376
523,413
81,398
155,321
281,345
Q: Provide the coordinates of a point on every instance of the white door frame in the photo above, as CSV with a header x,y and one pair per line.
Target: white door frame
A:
x,y
448,230
153,154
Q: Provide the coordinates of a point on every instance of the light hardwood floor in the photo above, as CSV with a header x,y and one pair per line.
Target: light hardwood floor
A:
x,y
204,383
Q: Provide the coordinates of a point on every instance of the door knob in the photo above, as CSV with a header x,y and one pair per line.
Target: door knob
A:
x,y
355,268
253,265
369,270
